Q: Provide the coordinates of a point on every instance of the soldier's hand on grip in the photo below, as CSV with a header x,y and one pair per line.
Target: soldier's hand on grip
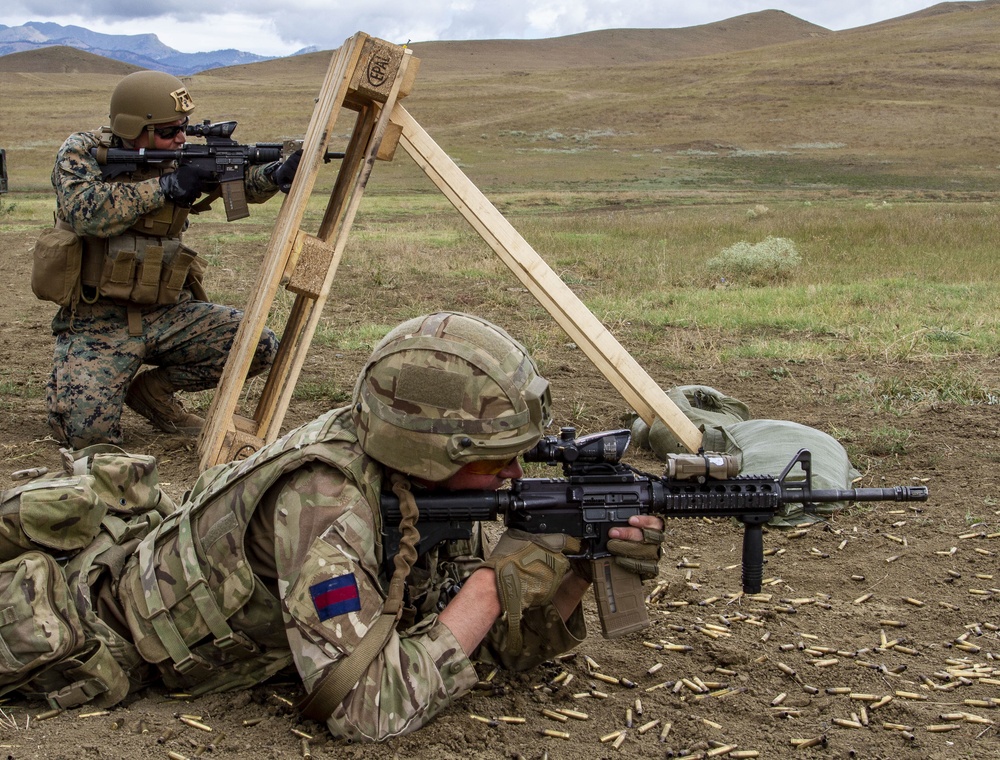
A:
x,y
639,557
284,173
529,569
184,185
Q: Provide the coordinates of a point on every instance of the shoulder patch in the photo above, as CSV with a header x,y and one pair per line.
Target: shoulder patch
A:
x,y
336,596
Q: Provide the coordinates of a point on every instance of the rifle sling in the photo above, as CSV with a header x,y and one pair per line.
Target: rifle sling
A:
x,y
344,676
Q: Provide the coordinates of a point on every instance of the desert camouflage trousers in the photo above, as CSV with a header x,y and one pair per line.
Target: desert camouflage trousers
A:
x,y
96,359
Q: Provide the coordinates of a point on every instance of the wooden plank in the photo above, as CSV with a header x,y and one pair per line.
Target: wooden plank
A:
x,y
340,242
647,398
218,422
279,378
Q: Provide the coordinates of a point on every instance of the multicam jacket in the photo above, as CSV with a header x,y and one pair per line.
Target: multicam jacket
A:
x,y
278,559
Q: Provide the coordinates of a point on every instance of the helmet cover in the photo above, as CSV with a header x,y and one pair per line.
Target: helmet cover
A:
x,y
146,98
447,389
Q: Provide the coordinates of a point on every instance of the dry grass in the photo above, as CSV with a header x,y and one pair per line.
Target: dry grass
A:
x,y
910,102
868,149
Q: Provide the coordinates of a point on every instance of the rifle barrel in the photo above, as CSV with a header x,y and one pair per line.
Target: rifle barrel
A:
x,y
895,493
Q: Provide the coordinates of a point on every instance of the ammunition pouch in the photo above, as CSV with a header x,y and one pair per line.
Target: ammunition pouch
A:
x,y
167,221
141,270
148,264
55,267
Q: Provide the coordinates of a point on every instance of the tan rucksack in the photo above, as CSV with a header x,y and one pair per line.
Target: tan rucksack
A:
x,y
61,537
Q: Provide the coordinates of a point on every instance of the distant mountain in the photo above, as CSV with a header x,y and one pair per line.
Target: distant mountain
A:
x,y
142,50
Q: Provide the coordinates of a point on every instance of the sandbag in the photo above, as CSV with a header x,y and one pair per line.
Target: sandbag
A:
x,y
640,433
767,446
704,406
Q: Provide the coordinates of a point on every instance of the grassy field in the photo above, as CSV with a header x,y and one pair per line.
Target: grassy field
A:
x,y
871,153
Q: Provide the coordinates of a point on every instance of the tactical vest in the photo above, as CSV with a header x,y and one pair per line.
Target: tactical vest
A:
x,y
147,264
193,603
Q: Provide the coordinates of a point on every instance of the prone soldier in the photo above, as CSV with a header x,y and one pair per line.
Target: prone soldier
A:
x,y
277,560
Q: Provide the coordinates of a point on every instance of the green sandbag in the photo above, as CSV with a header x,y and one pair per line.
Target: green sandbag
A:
x,y
640,433
704,406
767,446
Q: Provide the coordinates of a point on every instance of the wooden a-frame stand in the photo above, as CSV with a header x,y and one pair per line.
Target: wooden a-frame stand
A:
x,y
370,76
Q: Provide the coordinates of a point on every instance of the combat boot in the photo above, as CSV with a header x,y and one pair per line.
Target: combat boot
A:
x,y
152,396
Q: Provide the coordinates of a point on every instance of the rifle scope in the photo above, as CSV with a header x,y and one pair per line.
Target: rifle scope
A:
x,y
606,447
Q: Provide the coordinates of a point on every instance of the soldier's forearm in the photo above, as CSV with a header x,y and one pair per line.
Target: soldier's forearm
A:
x,y
471,614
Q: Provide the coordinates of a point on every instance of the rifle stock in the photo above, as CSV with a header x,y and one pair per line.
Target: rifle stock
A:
x,y
599,493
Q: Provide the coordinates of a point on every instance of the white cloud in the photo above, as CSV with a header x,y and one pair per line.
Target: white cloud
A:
x,y
261,26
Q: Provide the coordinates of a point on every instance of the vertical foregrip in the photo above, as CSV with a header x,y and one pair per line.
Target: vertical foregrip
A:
x,y
753,557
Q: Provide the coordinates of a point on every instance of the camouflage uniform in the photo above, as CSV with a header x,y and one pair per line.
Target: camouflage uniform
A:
x,y
96,356
289,542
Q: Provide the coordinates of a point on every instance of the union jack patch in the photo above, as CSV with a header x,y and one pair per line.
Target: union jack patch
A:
x,y
336,596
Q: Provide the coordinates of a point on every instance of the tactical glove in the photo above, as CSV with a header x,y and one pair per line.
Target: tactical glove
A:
x,y
639,557
184,185
283,174
529,569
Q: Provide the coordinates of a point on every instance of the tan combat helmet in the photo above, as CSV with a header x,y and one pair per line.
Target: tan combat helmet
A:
x,y
446,389
144,99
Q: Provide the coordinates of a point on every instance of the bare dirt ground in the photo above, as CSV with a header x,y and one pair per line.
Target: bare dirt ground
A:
x,y
877,635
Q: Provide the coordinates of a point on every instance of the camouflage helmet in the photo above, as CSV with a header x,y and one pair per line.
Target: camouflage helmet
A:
x,y
447,389
146,98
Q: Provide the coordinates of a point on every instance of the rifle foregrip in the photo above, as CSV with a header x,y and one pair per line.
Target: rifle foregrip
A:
x,y
753,557
620,602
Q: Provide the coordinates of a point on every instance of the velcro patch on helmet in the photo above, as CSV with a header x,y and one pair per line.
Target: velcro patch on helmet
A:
x,y
429,386
336,596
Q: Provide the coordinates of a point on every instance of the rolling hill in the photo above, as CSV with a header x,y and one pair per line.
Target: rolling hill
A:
x,y
759,99
62,59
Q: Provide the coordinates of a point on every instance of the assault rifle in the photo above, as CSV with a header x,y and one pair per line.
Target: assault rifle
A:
x,y
599,492
221,154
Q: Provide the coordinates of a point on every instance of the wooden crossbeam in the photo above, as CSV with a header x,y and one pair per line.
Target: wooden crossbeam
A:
x,y
647,398
370,76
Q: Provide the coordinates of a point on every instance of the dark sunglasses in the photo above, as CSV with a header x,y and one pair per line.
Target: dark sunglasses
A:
x,y
169,133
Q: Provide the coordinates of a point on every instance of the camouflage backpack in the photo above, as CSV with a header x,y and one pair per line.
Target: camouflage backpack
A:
x,y
61,537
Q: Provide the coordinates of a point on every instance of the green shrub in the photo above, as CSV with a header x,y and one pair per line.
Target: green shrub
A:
x,y
770,261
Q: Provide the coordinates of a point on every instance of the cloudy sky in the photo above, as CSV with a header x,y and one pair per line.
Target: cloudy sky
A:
x,y
280,27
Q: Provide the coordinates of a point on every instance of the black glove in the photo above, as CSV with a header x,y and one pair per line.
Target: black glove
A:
x,y
283,173
184,185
